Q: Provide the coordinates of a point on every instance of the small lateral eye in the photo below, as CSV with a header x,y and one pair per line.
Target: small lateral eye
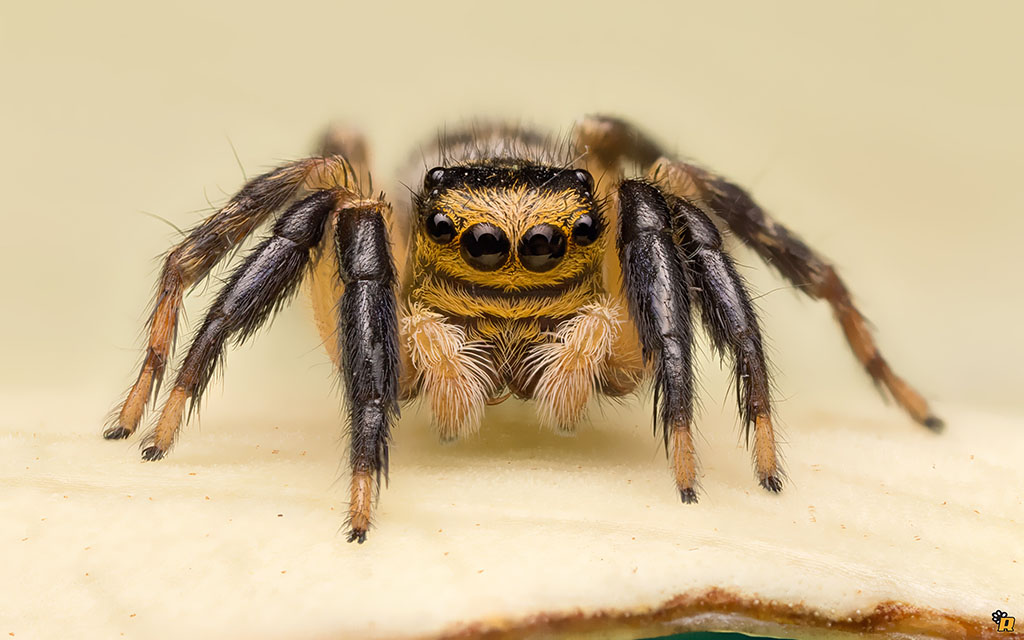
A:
x,y
586,229
434,177
585,179
440,228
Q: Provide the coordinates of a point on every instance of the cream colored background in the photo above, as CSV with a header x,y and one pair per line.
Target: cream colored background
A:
x,y
888,135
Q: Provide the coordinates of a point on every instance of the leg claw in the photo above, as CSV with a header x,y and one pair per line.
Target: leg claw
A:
x,y
152,454
116,433
772,483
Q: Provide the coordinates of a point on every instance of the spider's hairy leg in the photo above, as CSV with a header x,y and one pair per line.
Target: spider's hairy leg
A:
x,y
572,366
456,375
368,346
345,141
732,324
204,246
611,140
655,283
256,289
798,263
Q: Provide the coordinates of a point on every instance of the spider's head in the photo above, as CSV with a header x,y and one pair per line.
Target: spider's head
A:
x,y
509,226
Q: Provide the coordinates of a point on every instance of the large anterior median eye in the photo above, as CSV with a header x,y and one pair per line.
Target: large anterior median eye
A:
x,y
542,247
440,228
485,247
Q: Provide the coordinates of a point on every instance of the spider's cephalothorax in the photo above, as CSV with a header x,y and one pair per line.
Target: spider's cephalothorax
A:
x,y
502,255
518,274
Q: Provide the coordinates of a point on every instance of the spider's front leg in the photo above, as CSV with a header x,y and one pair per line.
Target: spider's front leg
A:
x,y
255,290
369,348
729,317
455,374
205,246
655,283
798,263
611,141
586,354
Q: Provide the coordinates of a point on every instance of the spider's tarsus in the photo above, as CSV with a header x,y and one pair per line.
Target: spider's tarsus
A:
x,y
772,483
935,424
688,496
116,433
152,454
357,536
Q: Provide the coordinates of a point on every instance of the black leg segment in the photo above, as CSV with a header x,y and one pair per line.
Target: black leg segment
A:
x,y
369,348
813,275
730,319
203,247
256,289
655,283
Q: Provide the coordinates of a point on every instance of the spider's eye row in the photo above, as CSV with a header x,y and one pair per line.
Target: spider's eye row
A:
x,y
585,179
433,177
440,228
485,247
586,229
541,247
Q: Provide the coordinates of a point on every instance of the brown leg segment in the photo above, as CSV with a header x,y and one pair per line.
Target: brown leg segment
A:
x,y
656,287
456,375
202,249
256,289
729,317
572,365
611,140
684,462
360,505
368,345
799,264
349,143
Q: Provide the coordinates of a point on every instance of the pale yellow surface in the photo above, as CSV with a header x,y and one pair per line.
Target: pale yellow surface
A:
x,y
887,134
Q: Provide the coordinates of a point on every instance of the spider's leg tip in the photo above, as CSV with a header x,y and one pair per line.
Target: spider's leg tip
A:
x,y
688,495
357,536
116,433
772,483
152,454
935,424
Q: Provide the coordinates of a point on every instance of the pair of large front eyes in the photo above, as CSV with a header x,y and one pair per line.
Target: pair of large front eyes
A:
x,y
486,247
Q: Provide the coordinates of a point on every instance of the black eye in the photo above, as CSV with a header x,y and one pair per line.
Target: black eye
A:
x,y
434,177
485,246
542,247
585,179
586,229
440,228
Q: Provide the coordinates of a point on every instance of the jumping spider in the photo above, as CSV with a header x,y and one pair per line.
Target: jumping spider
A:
x,y
519,274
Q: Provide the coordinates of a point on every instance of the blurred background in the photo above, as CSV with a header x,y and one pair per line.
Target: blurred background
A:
x,y
887,134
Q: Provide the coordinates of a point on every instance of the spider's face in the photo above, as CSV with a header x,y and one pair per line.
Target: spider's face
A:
x,y
510,227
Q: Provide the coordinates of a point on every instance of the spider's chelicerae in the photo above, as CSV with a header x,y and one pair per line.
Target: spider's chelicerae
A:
x,y
511,272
